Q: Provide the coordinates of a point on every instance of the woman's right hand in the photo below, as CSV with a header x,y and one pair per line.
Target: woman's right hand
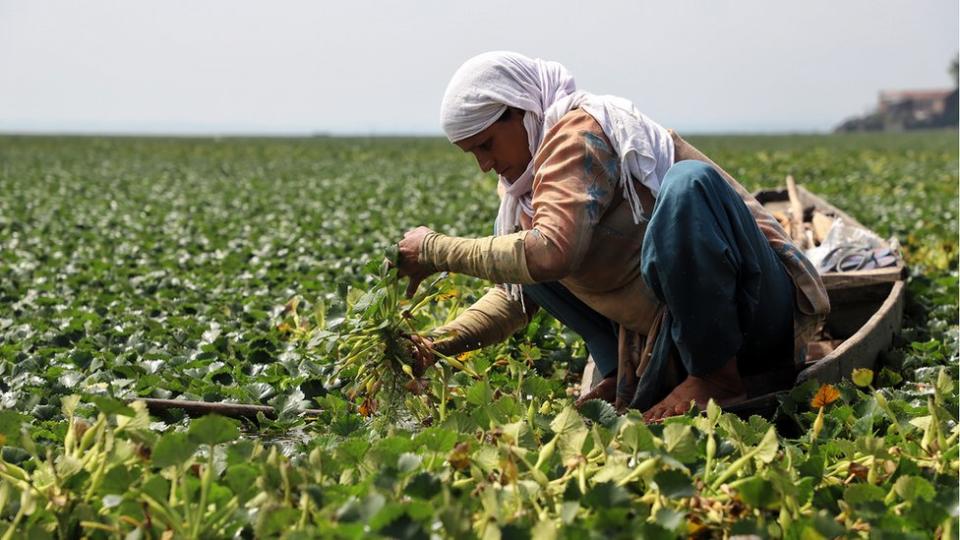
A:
x,y
409,256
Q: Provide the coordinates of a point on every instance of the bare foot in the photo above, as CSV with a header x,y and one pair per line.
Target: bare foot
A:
x,y
723,386
605,390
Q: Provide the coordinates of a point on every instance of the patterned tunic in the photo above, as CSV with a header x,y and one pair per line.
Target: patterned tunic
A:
x,y
585,226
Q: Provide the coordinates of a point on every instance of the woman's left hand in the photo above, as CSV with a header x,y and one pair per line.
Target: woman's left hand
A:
x,y
409,249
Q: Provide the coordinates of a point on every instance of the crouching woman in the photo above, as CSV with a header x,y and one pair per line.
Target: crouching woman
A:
x,y
682,286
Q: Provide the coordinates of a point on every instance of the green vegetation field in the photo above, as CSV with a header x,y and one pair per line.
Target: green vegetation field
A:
x,y
227,270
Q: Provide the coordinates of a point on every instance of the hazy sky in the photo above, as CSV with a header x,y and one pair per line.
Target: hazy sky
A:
x,y
366,67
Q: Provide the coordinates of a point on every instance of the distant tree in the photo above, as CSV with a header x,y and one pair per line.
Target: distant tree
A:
x,y
955,70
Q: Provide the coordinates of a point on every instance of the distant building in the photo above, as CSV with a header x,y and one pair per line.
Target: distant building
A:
x,y
908,109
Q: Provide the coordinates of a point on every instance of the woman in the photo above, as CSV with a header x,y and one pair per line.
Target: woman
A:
x,y
682,286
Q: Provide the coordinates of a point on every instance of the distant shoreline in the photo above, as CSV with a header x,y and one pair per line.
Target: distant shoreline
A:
x,y
255,136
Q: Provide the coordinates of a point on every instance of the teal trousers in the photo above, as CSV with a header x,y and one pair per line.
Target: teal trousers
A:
x,y
725,289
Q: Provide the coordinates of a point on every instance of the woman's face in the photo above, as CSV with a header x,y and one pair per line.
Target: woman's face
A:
x,y
502,147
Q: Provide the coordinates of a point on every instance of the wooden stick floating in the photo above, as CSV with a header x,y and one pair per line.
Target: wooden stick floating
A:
x,y
201,408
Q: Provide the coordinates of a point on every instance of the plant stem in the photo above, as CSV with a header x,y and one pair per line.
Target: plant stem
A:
x,y
204,490
443,393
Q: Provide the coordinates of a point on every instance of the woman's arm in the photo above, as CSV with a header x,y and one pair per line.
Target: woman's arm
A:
x,y
491,319
577,172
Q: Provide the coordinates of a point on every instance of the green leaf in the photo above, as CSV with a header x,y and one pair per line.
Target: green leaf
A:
x,y
479,394
423,486
537,387
10,422
606,495
392,513
740,433
600,412
276,522
767,449
944,385
352,450
173,449
213,429
708,422
518,433
805,490
827,526
758,493
670,519
68,404
392,254
242,480
119,479
408,462
389,449
370,301
862,377
109,405
436,439
636,436
361,510
674,484
862,493
911,488
544,530
570,431
680,442
888,377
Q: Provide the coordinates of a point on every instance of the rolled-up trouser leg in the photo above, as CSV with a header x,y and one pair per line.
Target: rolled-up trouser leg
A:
x,y
598,333
724,286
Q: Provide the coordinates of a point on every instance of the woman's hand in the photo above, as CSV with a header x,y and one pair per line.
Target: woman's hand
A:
x,y
409,249
423,356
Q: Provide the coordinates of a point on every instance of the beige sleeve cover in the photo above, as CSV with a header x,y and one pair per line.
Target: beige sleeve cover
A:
x,y
492,319
500,259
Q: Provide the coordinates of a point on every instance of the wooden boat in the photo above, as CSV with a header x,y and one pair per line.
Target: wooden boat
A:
x,y
866,309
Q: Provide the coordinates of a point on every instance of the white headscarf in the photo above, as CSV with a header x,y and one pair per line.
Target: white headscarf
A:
x,y
484,86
